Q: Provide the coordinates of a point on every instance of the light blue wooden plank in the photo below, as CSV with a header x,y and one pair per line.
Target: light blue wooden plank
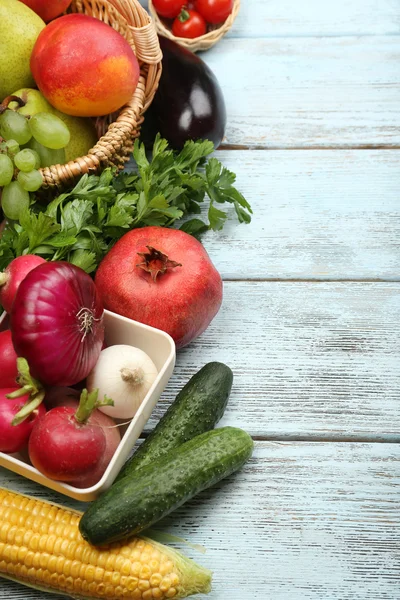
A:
x,y
310,92
299,522
310,361
285,18
317,215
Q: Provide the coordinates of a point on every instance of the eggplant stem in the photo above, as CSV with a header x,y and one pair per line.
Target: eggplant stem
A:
x,y
28,408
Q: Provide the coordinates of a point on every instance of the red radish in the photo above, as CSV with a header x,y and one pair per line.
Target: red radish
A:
x,y
70,397
68,444
14,438
8,360
57,323
12,276
163,278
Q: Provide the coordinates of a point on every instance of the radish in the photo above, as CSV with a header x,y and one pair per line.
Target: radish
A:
x,y
13,275
14,438
8,360
68,444
163,278
70,397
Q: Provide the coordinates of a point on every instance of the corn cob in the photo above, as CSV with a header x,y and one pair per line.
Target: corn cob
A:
x,y
41,547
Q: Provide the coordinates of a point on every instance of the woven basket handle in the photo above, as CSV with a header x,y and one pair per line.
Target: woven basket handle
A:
x,y
145,36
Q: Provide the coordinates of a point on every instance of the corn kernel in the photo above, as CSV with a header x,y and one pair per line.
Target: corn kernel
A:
x,y
157,593
147,595
171,593
143,584
165,584
155,579
145,572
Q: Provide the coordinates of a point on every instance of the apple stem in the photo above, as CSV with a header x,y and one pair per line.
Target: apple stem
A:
x,y
6,102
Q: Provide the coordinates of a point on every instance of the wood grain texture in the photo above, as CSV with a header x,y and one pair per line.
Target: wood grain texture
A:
x,y
310,92
316,216
309,360
300,521
278,18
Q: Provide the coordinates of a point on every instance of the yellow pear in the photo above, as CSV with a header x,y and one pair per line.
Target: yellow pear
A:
x,y
82,130
19,29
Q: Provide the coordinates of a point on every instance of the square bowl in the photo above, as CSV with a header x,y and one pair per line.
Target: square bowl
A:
x,y
161,349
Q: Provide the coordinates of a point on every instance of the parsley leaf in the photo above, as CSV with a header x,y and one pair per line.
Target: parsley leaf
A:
x,y
83,223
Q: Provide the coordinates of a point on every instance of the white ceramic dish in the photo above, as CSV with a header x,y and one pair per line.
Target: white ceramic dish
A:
x,y
161,349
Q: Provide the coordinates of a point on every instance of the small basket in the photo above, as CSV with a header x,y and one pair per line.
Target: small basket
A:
x,y
116,132
203,42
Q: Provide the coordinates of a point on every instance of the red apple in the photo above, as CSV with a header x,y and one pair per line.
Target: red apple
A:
x,y
84,67
48,10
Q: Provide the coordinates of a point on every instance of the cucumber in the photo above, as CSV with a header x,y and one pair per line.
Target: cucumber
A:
x,y
137,502
196,409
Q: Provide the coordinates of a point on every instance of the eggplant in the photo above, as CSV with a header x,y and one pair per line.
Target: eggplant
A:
x,y
189,104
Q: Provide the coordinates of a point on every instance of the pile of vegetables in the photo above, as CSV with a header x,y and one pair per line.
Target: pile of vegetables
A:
x,y
55,340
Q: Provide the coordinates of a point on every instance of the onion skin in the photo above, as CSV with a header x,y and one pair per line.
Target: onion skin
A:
x,y
181,301
48,319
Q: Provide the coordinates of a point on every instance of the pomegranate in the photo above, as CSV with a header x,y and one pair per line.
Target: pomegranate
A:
x,y
163,278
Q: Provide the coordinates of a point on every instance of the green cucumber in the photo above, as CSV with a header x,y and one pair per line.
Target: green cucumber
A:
x,y
137,502
196,409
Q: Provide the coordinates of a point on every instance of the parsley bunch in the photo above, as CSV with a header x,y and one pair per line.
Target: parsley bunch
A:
x,y
81,225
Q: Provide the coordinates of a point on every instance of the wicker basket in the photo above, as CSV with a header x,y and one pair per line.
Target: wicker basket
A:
x,y
203,42
118,131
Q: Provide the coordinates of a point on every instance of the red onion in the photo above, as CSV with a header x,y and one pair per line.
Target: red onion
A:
x,y
57,323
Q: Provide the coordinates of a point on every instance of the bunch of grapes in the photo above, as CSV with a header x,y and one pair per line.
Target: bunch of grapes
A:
x,y
26,145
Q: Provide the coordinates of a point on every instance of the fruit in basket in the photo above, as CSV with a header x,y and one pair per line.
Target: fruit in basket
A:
x,y
189,24
83,66
82,130
163,278
214,11
46,9
14,438
168,8
67,444
57,323
19,28
189,103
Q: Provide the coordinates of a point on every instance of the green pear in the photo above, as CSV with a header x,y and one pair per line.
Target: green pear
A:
x,y
19,29
82,130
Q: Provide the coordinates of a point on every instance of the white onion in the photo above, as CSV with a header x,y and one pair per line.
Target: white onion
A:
x,y
125,374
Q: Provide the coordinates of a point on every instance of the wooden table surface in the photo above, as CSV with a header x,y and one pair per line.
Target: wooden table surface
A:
x,y
310,321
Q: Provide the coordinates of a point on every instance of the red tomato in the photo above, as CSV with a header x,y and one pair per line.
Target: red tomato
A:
x,y
168,8
189,24
214,11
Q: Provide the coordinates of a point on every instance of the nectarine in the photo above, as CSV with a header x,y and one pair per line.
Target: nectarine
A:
x,y
84,67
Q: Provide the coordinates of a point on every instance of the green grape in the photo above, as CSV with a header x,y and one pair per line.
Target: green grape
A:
x,y
6,169
26,160
14,199
31,181
49,130
47,156
12,147
14,126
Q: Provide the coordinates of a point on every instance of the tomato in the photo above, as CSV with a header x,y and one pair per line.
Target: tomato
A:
x,y
214,11
168,8
189,24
